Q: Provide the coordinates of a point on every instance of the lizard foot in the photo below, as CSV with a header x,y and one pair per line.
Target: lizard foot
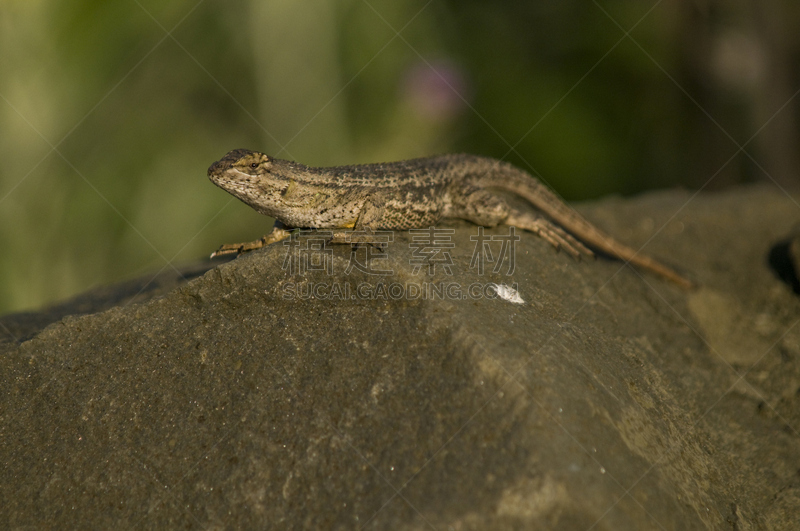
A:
x,y
276,235
553,234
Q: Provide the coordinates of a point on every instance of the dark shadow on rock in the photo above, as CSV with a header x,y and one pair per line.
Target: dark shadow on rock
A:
x,y
19,327
784,260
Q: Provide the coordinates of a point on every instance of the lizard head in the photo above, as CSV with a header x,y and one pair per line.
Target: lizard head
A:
x,y
246,175
240,161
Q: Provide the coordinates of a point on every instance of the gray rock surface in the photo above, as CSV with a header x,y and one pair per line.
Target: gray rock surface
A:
x,y
608,400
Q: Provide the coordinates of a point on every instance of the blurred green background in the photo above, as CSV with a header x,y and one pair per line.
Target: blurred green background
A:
x,y
111,112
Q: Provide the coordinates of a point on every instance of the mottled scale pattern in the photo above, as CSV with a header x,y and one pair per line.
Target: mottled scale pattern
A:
x,y
413,193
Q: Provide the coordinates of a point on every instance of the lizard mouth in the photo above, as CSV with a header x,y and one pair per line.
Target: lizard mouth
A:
x,y
216,170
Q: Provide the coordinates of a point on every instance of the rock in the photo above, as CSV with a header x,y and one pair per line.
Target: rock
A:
x,y
256,396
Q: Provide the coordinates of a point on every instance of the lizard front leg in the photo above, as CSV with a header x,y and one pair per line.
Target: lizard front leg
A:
x,y
278,233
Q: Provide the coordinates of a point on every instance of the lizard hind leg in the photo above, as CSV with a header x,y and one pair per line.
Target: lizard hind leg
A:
x,y
553,234
481,207
484,208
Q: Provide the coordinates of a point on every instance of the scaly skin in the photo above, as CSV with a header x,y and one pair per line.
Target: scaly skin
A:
x,y
403,195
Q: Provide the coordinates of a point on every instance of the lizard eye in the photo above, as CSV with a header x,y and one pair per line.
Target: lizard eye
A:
x,y
254,165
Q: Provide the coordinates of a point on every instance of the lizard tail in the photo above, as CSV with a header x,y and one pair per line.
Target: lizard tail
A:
x,y
504,176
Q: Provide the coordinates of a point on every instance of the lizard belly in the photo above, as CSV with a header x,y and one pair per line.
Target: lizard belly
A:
x,y
336,217
403,216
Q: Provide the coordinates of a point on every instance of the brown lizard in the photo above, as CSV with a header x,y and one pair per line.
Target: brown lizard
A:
x,y
403,195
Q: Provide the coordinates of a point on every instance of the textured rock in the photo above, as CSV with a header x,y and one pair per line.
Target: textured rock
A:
x,y
609,400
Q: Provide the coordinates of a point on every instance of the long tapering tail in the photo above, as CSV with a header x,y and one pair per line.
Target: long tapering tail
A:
x,y
507,177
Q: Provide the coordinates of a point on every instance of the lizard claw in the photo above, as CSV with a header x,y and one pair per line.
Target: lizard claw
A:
x,y
226,249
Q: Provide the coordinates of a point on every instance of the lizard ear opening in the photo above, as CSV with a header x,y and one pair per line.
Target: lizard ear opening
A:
x,y
266,163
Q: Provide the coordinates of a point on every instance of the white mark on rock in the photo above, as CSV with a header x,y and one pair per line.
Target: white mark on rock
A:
x,y
507,293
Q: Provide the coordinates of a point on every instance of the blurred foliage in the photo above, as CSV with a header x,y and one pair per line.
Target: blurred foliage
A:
x,y
110,112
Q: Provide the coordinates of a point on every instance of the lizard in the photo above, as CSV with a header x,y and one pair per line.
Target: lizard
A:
x,y
409,194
